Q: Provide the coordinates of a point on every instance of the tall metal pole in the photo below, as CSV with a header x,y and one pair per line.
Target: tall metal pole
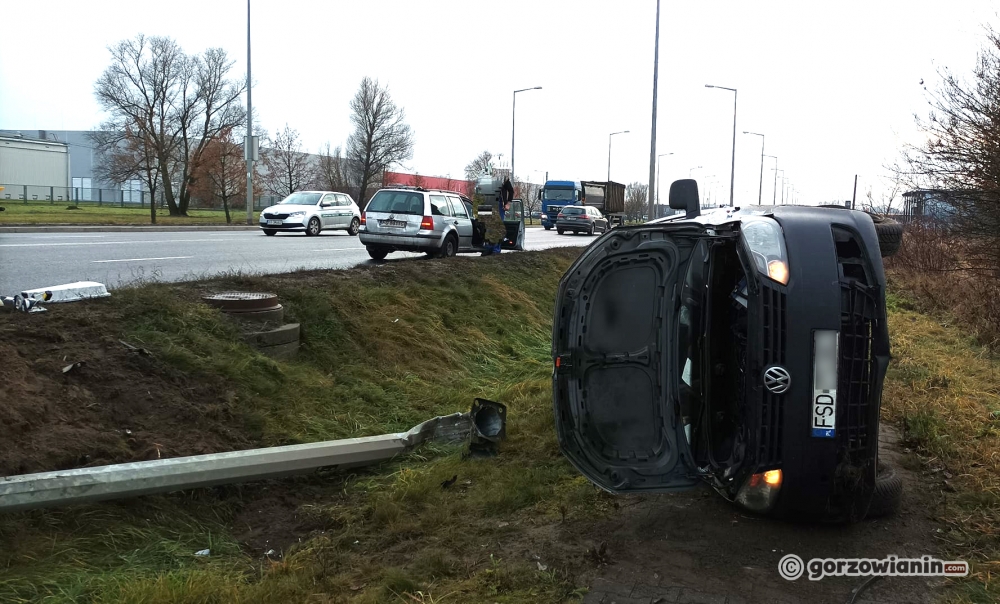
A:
x,y
609,151
658,170
760,185
652,137
248,143
513,117
774,190
732,169
854,195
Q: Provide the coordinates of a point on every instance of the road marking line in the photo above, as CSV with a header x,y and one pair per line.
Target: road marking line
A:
x,y
106,242
141,259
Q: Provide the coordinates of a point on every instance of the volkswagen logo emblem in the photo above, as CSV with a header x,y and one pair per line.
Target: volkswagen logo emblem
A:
x,y
777,379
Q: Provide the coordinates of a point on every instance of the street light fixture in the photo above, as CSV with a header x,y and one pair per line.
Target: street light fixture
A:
x,y
658,175
760,185
512,119
732,169
690,170
609,151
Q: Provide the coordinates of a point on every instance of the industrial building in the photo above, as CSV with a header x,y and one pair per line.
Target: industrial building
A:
x,y
33,167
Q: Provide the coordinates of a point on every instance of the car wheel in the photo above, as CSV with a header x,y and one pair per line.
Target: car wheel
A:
x,y
354,228
591,231
890,235
449,248
270,232
888,492
377,253
548,228
560,231
313,228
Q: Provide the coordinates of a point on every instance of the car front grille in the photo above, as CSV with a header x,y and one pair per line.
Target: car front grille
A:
x,y
275,216
858,315
772,317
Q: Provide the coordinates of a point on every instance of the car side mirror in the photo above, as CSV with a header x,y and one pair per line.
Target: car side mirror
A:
x,y
325,205
684,196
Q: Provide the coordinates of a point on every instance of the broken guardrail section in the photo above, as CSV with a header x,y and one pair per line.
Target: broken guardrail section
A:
x,y
483,427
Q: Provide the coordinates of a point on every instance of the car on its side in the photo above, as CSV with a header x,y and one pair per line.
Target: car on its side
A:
x,y
414,219
312,212
745,348
581,219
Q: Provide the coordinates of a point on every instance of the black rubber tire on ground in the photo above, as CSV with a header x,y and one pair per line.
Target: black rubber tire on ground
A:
x,y
270,232
450,247
354,228
591,231
377,253
548,228
888,492
560,231
890,235
313,228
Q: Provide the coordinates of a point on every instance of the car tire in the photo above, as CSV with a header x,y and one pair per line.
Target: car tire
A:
x,y
888,492
890,235
377,253
450,247
591,231
270,232
548,228
560,231
354,228
313,228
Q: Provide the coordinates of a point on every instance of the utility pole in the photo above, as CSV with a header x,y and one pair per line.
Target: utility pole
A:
x,y
854,196
774,189
760,184
248,146
513,117
732,169
652,138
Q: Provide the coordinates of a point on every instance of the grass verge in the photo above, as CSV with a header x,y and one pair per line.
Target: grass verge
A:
x,y
19,213
383,348
943,389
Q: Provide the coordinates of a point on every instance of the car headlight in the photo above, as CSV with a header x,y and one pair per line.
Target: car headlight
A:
x,y
766,242
294,214
760,491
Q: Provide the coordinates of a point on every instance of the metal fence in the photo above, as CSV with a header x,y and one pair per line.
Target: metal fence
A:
x,y
123,198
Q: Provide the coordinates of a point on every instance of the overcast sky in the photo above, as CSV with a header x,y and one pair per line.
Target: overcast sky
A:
x,y
832,86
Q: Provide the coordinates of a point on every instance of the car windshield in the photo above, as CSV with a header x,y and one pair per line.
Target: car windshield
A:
x,y
559,194
397,202
301,199
569,211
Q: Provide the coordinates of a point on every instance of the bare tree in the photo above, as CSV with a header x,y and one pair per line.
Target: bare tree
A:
x,y
125,155
381,136
635,201
479,166
169,103
886,202
959,160
288,168
331,173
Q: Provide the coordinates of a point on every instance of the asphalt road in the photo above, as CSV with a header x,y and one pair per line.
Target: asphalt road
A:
x,y
32,260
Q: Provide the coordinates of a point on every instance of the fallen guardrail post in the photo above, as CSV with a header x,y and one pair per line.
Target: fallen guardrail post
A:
x,y
486,422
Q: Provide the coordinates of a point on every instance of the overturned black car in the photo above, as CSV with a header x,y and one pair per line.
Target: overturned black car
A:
x,y
745,348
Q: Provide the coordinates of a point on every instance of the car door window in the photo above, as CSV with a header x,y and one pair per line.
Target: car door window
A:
x,y
343,201
327,199
458,208
439,206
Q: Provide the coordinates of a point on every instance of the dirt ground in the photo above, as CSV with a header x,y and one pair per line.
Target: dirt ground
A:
x,y
696,548
119,406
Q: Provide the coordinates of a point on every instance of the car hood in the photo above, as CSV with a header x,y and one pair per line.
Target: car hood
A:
x,y
288,208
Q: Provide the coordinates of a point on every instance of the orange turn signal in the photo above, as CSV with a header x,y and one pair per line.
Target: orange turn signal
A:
x,y
777,270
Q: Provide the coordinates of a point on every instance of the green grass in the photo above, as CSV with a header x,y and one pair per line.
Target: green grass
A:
x,y
383,349
19,213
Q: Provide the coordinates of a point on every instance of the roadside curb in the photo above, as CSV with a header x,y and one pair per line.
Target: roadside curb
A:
x,y
123,228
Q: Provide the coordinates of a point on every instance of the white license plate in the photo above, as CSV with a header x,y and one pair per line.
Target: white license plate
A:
x,y
392,224
824,392
275,222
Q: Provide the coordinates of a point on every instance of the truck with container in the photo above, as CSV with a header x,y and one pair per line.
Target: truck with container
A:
x,y
608,197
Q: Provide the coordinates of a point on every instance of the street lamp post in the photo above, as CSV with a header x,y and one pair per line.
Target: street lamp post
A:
x,y
690,170
609,151
513,112
732,169
248,144
658,176
774,189
760,185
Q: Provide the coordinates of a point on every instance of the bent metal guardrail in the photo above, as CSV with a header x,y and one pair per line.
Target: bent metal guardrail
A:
x,y
486,422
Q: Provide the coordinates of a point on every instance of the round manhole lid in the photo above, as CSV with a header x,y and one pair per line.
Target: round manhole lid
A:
x,y
242,301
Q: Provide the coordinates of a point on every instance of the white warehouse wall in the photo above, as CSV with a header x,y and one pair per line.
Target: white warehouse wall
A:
x,y
34,162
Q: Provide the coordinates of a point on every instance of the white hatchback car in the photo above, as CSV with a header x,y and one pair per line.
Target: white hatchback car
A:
x,y
312,212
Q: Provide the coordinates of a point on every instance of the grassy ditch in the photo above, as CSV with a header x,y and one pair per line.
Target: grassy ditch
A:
x,y
943,389
89,213
383,348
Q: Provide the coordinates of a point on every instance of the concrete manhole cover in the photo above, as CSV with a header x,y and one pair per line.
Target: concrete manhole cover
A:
x,y
242,301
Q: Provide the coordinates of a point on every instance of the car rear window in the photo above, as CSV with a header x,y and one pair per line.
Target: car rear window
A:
x,y
397,202
569,211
